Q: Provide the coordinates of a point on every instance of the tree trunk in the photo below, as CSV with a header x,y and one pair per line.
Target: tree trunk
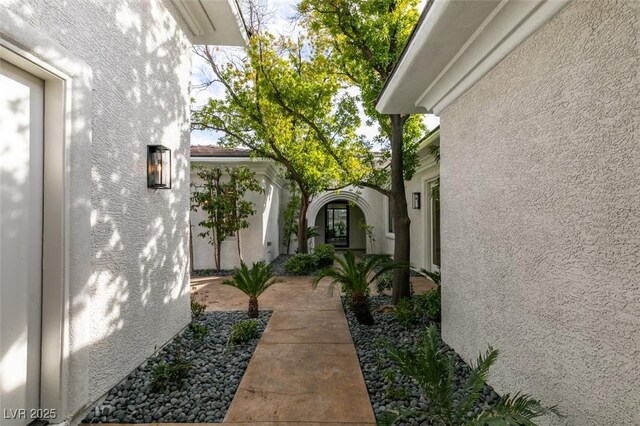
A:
x,y
253,307
239,246
400,213
360,307
217,248
302,224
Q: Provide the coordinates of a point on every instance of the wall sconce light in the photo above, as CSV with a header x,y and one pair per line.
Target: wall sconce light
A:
x,y
158,167
415,201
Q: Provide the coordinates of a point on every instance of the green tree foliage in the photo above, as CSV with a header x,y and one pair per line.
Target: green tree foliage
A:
x,y
367,38
250,114
220,195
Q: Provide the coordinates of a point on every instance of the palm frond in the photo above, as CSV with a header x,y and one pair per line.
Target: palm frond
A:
x,y
477,378
252,282
517,410
433,370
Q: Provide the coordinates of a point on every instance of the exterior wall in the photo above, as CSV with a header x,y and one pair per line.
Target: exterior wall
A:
x,y
137,294
540,215
260,241
420,220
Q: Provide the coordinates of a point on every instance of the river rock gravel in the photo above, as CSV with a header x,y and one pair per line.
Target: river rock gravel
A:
x,y
388,389
208,388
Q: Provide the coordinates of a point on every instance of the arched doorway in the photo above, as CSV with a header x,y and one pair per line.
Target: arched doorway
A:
x,y
340,219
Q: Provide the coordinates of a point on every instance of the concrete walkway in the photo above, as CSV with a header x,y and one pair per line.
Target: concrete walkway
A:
x,y
305,369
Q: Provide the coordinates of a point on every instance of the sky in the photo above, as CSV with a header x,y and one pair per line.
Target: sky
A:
x,y
281,23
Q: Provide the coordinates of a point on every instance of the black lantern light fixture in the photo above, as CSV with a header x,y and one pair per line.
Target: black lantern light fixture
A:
x,y
158,167
415,201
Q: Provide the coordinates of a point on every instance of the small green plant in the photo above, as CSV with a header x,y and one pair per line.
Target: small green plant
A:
x,y
435,372
324,254
368,229
252,282
197,309
199,331
404,313
355,277
170,373
166,374
243,331
429,303
396,393
384,282
301,264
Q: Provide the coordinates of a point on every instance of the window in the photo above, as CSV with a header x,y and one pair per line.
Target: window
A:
x,y
390,228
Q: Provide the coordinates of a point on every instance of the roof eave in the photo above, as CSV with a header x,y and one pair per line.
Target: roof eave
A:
x,y
214,22
454,45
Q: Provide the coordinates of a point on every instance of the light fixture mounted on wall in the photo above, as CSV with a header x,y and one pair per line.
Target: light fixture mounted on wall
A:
x,y
415,201
158,167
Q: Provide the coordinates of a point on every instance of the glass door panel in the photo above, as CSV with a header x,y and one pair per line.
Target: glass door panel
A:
x,y
337,224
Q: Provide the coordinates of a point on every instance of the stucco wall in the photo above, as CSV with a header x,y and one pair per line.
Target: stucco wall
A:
x,y
137,294
541,215
264,226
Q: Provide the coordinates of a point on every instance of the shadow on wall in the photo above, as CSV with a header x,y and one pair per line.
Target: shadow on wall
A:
x,y
137,296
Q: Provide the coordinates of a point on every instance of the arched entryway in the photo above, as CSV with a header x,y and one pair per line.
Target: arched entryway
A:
x,y
340,219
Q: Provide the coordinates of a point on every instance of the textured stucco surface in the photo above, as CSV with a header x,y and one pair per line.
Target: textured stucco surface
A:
x,y
541,215
136,297
260,241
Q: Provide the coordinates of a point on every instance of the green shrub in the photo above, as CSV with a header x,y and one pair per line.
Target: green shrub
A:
x,y
404,313
199,331
428,303
324,254
197,309
243,331
301,264
169,373
384,282
435,371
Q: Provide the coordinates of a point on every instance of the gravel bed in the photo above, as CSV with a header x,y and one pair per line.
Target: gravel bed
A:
x,y
400,392
211,273
206,392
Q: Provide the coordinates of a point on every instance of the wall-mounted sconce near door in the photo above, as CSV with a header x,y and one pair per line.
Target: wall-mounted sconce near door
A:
x,y
158,167
415,202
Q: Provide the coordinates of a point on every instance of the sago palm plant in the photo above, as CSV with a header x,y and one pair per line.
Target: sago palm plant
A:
x,y
252,282
354,277
434,371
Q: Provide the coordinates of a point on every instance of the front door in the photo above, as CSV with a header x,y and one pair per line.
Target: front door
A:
x,y
337,223
21,174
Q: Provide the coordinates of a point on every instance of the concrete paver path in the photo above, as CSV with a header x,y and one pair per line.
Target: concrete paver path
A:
x,y
305,369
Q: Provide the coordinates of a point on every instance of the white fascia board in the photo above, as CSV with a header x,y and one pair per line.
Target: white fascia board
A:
x,y
464,40
213,22
261,166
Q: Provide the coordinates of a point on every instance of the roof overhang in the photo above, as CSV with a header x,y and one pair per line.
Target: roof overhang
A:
x,y
456,44
216,22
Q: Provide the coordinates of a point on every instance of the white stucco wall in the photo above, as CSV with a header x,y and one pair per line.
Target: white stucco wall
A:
x,y
264,225
541,215
136,296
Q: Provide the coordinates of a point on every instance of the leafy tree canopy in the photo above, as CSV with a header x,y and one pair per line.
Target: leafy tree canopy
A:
x,y
368,37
